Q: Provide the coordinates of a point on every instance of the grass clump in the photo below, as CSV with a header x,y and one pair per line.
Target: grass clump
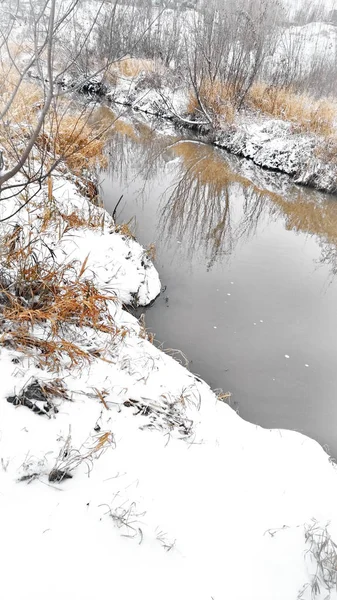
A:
x,y
307,114
43,305
132,67
67,135
217,99
75,140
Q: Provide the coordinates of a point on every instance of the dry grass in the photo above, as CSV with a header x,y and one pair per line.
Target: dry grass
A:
x,y
125,229
44,294
307,114
53,299
77,221
51,353
44,291
151,252
23,114
217,98
327,151
132,67
71,458
75,140
67,133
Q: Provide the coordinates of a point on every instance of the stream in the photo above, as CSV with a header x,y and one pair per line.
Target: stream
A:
x,y
247,262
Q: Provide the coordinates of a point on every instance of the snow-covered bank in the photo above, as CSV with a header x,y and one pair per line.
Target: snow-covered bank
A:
x,y
270,143
135,480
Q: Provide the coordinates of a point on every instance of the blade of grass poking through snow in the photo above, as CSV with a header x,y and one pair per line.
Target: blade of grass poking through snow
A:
x,y
101,397
84,266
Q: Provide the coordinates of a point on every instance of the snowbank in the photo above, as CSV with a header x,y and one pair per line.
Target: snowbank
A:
x,y
130,478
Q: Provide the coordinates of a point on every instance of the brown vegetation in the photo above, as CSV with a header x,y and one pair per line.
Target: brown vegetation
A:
x,y
53,297
132,67
67,135
306,114
216,98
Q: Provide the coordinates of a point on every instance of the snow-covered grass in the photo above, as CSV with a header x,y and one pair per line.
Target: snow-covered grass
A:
x,y
301,131
123,474
302,145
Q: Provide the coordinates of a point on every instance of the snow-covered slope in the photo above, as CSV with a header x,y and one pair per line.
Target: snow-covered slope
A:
x,y
132,479
307,43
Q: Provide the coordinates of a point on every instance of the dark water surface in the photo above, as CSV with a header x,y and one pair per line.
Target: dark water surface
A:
x,y
247,261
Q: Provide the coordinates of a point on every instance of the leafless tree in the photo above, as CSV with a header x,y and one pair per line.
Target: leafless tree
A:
x,y
60,45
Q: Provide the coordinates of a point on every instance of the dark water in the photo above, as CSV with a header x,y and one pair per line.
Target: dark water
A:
x,y
247,261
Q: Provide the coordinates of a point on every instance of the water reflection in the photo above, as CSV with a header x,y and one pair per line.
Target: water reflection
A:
x,y
237,249
209,203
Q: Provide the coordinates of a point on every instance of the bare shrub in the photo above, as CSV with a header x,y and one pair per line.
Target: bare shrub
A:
x,y
149,80
217,98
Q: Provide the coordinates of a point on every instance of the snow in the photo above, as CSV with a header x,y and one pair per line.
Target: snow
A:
x,y
309,42
172,494
270,143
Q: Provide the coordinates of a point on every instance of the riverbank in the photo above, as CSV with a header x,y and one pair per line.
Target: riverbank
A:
x,y
115,459
271,143
121,472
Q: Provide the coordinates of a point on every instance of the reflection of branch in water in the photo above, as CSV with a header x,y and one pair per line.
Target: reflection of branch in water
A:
x,y
199,207
209,204
218,233
136,149
329,256
193,211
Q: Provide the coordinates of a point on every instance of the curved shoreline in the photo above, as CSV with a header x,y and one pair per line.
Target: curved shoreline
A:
x,y
136,464
269,143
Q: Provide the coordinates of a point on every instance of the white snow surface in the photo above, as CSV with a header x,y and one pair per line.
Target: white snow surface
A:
x,y
180,499
314,40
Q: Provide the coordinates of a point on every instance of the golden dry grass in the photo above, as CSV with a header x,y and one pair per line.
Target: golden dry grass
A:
x,y
75,220
217,98
307,114
23,114
51,352
67,132
74,139
43,293
125,229
132,67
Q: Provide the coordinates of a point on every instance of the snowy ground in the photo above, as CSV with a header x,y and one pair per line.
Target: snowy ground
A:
x,y
123,475
136,481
